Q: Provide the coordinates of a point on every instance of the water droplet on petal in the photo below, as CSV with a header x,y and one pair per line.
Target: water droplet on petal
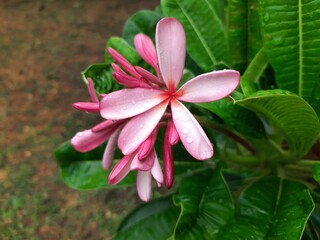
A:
x,y
189,140
133,102
141,125
124,107
79,134
185,130
186,118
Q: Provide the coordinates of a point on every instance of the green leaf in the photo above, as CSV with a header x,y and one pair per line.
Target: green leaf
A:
x,y
144,21
291,35
206,37
101,74
124,49
237,32
236,118
291,114
250,78
270,208
316,172
206,206
254,31
154,220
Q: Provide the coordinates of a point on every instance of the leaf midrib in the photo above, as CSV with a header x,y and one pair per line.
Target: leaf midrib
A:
x,y
206,47
300,48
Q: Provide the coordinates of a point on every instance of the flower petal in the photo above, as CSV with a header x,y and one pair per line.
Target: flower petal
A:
x,y
191,134
144,164
144,185
108,154
92,91
126,103
138,129
120,170
209,87
171,51
156,171
87,140
87,106
146,49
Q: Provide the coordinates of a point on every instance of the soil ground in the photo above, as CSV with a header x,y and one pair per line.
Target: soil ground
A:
x,y
44,45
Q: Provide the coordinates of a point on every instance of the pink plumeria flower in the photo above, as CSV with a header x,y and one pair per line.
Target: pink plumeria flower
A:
x,y
88,140
148,103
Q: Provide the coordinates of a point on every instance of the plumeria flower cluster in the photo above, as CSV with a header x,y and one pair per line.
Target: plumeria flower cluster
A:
x,y
134,115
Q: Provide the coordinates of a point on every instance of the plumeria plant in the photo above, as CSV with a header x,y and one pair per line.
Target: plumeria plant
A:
x,y
219,103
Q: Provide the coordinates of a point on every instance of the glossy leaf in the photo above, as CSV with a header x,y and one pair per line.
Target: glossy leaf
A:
x,y
291,34
101,74
206,206
236,118
154,220
144,21
270,208
292,115
237,28
316,172
206,38
254,31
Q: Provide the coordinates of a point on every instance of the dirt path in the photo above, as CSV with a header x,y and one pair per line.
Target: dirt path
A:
x,y
44,45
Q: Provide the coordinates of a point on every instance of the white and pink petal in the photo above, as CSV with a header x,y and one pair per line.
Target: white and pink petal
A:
x,y
127,103
209,87
139,128
171,51
191,134
144,184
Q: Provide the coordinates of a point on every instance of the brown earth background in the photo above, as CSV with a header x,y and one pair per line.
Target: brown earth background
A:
x,y
44,45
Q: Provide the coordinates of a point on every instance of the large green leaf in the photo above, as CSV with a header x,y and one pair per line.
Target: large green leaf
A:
x,y
270,208
206,38
291,34
154,220
144,21
237,28
254,32
292,115
206,206
236,118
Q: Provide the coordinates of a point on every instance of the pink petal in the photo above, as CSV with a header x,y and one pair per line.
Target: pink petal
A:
x,y
127,103
209,87
148,145
191,134
157,172
146,49
87,106
144,164
103,125
149,76
138,129
130,82
171,51
120,170
92,91
108,154
144,185
123,62
87,140
173,135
